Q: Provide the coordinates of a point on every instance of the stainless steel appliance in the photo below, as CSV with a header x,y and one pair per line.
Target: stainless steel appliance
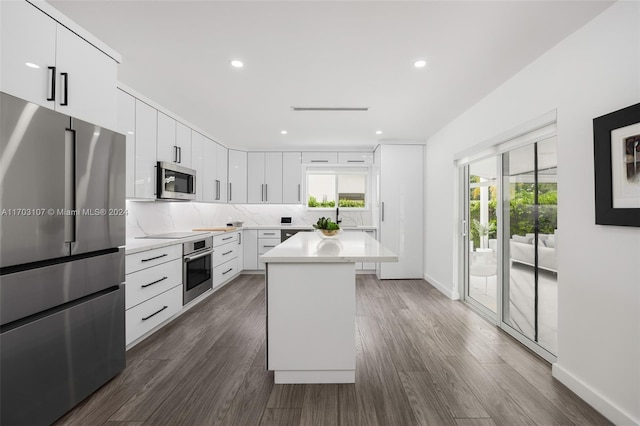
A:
x,y
197,271
175,182
62,332
285,234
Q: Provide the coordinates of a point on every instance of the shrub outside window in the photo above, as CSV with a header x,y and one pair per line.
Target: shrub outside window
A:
x,y
329,189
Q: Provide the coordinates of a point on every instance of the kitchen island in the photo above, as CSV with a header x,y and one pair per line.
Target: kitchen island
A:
x,y
311,305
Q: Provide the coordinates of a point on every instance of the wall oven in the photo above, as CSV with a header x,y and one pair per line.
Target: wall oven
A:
x,y
197,274
175,182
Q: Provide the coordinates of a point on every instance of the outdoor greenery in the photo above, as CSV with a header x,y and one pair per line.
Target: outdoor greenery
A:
x,y
313,202
522,210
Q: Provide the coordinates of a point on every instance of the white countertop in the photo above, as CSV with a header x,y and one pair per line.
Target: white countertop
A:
x,y
136,245
279,226
308,247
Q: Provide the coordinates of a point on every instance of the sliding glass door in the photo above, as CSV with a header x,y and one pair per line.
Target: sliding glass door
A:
x,y
510,235
481,218
530,277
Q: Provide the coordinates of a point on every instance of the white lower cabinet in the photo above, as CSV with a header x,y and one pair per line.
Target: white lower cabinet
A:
x,y
224,272
153,289
226,255
267,239
365,266
250,249
148,315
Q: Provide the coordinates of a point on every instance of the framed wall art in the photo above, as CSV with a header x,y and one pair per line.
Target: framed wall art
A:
x,y
616,143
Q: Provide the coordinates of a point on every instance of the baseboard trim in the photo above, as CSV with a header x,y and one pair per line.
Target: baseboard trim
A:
x,y
598,401
451,294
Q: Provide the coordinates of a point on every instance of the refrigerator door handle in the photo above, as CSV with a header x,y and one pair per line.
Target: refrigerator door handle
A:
x,y
70,186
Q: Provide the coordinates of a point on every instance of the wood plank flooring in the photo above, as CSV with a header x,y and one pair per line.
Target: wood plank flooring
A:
x,y
422,359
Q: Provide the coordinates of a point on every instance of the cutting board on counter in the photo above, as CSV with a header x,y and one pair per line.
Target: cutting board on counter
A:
x,y
216,228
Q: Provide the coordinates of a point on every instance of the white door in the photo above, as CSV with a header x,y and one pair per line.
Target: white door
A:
x,y
197,161
273,177
209,177
401,206
145,159
167,149
86,81
127,126
237,192
291,178
27,36
183,141
255,177
221,173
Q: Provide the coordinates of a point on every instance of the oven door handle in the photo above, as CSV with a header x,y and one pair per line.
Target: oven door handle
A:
x,y
190,258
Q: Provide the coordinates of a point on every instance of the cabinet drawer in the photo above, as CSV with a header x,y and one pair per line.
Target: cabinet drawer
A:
x,y
266,244
225,253
319,157
146,316
268,233
224,272
150,282
146,259
355,157
225,238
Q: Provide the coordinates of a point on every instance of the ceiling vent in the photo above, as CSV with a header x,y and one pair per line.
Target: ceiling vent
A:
x,y
343,109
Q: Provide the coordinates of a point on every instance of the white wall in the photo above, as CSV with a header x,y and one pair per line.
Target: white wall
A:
x,y
594,71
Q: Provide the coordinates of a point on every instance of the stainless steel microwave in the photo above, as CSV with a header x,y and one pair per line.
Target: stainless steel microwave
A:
x,y
175,182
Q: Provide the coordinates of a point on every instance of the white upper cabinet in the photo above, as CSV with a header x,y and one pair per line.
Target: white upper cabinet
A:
x,y
167,149
183,142
145,152
86,86
27,54
319,157
45,63
355,157
264,177
197,162
291,178
221,174
127,126
209,177
237,186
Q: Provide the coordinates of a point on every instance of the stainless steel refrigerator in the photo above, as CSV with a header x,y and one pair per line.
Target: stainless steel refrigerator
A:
x,y
62,228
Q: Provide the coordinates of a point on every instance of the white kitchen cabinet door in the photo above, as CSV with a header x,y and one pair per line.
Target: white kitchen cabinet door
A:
x,y
291,178
355,158
255,177
273,178
250,249
209,177
183,142
221,174
145,159
319,157
401,207
127,126
27,36
86,86
197,161
167,149
237,186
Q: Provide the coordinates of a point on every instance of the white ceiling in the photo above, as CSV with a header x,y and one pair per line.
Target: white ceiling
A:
x,y
323,54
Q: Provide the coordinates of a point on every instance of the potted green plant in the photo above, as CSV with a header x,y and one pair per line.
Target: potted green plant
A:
x,y
483,230
325,227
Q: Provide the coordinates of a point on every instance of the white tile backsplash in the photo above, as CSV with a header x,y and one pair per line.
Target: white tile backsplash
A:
x,y
146,218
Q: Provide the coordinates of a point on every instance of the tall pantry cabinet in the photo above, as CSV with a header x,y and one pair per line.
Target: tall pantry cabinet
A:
x,y
399,170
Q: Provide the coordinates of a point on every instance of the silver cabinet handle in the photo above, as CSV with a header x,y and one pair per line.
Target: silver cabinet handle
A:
x,y
355,161
269,246
226,253
179,154
189,259
217,189
228,238
154,282
240,238
266,192
155,313
227,271
299,193
383,211
229,197
262,188
175,154
65,77
269,233
319,161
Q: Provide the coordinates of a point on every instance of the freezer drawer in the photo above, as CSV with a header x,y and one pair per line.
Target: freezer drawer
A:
x,y
51,364
32,291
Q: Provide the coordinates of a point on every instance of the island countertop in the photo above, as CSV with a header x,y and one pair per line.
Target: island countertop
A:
x,y
308,247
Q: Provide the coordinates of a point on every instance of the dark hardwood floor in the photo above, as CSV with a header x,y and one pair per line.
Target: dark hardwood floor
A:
x,y
422,359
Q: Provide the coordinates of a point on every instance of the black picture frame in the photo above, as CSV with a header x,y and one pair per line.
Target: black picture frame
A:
x,y
603,126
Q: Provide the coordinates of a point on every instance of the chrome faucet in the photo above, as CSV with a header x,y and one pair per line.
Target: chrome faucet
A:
x,y
338,215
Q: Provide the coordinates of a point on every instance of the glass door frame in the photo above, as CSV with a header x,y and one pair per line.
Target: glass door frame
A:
x,y
496,318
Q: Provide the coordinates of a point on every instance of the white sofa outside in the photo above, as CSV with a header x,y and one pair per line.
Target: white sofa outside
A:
x,y
522,250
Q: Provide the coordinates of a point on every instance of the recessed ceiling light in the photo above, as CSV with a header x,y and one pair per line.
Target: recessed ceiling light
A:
x,y
32,65
284,132
236,63
420,63
378,132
